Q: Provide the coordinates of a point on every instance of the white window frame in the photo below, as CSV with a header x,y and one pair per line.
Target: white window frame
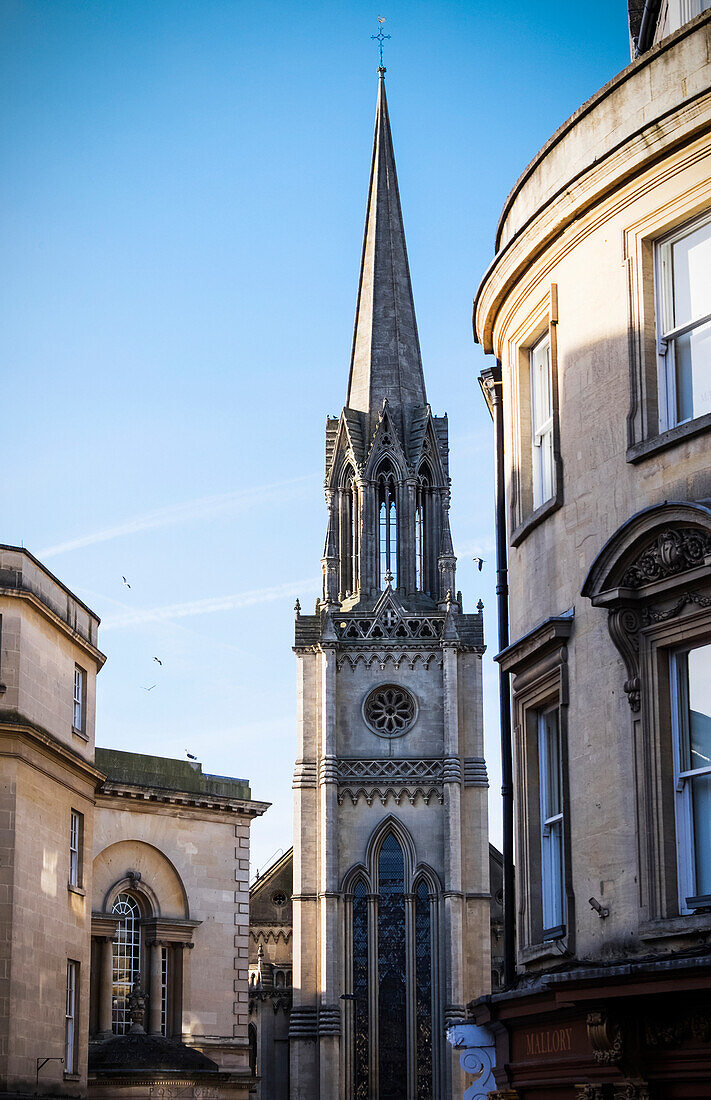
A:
x,y
79,695
683,780
71,1032
76,822
542,458
667,332
552,883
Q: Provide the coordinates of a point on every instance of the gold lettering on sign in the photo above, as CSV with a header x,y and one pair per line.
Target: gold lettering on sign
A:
x,y
551,1041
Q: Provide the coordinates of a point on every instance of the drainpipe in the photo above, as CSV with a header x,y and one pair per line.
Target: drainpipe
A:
x,y
491,387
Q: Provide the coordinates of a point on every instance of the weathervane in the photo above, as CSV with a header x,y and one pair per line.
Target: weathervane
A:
x,y
380,37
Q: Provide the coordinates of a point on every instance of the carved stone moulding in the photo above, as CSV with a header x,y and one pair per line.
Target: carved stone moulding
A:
x,y
647,573
672,551
397,794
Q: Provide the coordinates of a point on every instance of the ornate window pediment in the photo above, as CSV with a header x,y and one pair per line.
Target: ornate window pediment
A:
x,y
654,566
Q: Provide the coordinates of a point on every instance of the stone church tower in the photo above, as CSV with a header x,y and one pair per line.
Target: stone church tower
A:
x,y
391,856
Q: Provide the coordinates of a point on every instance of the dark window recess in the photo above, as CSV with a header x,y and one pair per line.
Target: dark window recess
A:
x,y
361,1089
423,1002
391,972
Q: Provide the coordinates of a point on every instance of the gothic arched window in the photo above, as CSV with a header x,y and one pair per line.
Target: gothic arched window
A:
x,y
422,522
126,959
392,999
361,1054
423,991
352,547
396,1015
387,524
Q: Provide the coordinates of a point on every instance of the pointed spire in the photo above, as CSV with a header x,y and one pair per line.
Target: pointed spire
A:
x,y
385,360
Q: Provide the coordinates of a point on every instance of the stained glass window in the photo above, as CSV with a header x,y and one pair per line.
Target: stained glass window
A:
x,y
127,959
423,993
391,972
360,993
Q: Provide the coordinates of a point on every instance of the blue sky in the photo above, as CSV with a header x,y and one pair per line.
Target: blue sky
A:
x,y
181,210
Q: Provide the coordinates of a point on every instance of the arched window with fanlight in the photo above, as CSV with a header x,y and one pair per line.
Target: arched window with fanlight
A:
x,y
126,959
387,524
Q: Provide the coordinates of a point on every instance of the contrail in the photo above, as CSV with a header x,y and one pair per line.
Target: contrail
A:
x,y
208,605
184,513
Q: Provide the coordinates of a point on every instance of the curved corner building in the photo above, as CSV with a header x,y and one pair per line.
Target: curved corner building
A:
x,y
597,307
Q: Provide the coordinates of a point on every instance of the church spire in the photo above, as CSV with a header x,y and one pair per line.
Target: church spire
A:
x,y
385,360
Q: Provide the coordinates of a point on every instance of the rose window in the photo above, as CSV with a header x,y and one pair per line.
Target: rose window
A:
x,y
390,711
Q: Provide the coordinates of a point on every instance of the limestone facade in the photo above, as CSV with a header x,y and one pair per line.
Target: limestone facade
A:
x,y
610,582
82,830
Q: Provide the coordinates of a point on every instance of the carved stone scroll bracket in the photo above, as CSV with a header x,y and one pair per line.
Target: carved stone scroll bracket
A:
x,y
624,624
606,1038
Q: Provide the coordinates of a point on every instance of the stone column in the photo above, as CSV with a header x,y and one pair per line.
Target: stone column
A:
x,y
329,1020
155,988
106,985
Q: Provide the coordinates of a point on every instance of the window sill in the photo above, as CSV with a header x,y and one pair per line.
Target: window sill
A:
x,y
670,927
76,890
646,447
549,950
80,733
541,513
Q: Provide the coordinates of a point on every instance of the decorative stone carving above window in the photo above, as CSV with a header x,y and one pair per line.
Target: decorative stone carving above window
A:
x,y
672,551
651,569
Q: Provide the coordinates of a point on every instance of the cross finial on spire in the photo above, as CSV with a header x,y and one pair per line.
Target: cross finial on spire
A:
x,y
380,38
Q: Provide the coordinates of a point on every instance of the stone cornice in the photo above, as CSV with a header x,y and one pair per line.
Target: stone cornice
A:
x,y
57,621
156,797
604,160
550,634
15,725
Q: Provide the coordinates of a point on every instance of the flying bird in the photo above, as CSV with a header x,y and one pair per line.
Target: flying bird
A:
x,y
125,582
150,688
479,562
159,661
381,19
190,755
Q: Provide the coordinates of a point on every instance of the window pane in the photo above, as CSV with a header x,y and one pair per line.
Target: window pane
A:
x,y
423,993
701,799
391,972
551,792
691,258
551,803
127,959
553,876
541,423
692,353
361,1055
699,664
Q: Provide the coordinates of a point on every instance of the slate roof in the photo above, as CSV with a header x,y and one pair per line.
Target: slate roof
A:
x,y
307,631
471,629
